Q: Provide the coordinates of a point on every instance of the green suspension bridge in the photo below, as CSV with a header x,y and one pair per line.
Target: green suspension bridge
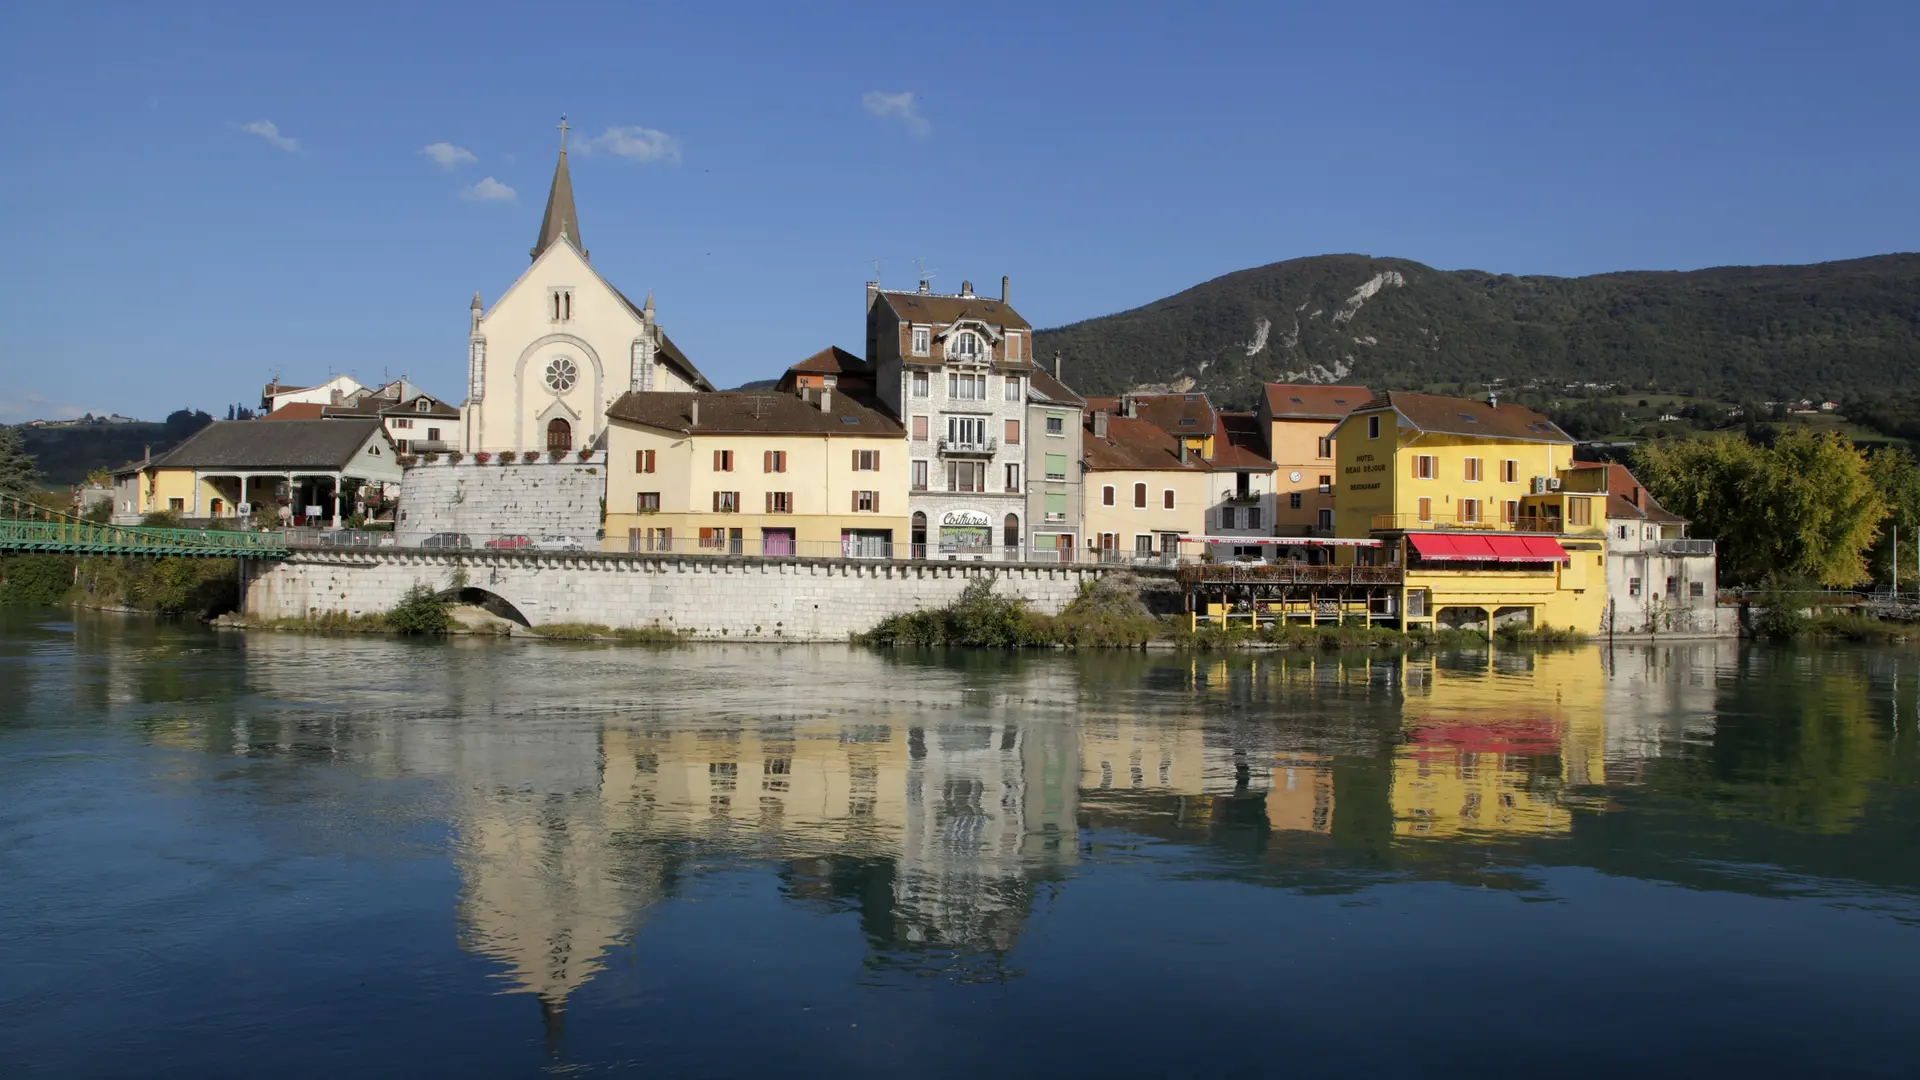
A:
x,y
25,527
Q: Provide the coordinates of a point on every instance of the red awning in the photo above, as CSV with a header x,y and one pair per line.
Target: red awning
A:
x,y
1545,547
1486,547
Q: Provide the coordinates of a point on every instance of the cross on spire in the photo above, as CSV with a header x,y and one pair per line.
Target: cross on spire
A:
x,y
563,132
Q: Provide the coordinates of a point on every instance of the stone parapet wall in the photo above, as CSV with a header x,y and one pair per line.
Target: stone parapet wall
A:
x,y
732,599
547,498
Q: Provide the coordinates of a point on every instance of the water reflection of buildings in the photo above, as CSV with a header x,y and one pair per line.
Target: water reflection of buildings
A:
x,y
1499,750
939,822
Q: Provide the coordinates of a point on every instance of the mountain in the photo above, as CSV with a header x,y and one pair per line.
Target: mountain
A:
x,y
67,453
1829,330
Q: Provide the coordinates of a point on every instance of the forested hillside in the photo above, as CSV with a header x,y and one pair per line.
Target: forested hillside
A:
x,y
67,454
1839,330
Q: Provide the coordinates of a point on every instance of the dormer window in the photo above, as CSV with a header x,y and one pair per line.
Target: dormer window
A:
x,y
922,340
966,346
423,405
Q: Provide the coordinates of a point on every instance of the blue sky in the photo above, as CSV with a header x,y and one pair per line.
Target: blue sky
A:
x,y
167,248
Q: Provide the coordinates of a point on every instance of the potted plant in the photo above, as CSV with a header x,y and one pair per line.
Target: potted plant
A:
x,y
506,457
429,457
407,461
586,453
454,457
482,456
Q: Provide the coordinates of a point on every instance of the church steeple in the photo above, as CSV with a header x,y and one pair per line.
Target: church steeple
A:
x,y
561,218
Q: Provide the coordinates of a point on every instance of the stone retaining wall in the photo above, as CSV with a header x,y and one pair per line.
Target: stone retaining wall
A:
x,y
734,599
548,498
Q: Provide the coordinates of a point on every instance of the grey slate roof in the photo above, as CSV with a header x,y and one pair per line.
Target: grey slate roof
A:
x,y
747,412
560,216
283,444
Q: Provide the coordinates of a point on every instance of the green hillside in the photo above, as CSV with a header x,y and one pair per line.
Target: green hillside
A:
x,y
1839,330
66,454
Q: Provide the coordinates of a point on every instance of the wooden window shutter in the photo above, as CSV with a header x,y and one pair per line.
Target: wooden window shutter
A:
x,y
876,502
1415,459
856,461
876,461
856,501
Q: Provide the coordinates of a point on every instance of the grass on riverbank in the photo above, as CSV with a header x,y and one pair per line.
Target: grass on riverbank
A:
x,y
624,635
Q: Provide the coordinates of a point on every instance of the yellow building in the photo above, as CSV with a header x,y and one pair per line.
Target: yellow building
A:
x,y
1298,418
745,473
1142,488
1504,753
1480,503
318,471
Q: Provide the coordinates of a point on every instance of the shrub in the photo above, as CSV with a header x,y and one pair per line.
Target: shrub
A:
x,y
1107,614
99,513
161,519
980,617
420,611
41,580
1783,615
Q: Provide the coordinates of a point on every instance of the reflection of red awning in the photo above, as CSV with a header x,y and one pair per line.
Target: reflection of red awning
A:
x,y
1486,547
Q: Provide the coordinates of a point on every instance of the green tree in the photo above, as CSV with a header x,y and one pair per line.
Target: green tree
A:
x,y
1806,506
18,471
1897,475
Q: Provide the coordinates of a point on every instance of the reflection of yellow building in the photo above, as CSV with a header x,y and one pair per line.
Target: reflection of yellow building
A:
x,y
1500,753
1161,756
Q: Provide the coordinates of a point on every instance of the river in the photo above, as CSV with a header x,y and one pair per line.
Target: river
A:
x,y
227,854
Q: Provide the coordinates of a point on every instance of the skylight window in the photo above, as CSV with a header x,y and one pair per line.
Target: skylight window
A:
x,y
1465,418
1188,421
849,419
1297,401
1339,401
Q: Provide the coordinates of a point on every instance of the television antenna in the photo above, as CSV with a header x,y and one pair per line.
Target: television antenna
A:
x,y
920,267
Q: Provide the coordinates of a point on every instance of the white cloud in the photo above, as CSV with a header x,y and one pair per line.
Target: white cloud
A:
x,y
488,190
635,143
900,106
266,130
447,156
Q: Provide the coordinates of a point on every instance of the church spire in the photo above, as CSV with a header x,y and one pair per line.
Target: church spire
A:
x,y
561,219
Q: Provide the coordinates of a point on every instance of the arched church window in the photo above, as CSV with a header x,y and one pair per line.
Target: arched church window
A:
x,y
561,375
559,436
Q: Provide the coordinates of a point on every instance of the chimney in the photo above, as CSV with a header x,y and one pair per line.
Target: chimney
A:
x,y
806,393
1004,295
925,286
1127,408
1100,424
693,411
966,289
1183,450
1056,368
1493,400
826,399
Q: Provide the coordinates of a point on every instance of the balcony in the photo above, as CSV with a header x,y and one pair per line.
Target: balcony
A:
x,y
1526,523
1241,498
1684,547
954,448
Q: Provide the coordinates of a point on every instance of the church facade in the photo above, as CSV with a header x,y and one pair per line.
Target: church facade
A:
x,y
560,346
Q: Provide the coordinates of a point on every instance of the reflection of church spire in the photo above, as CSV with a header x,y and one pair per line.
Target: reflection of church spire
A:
x,y
561,219
553,1019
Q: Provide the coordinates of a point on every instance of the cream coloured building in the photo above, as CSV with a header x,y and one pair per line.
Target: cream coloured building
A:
x,y
755,473
1141,489
560,345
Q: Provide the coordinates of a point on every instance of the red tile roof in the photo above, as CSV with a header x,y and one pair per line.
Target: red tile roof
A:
x,y
1467,416
1239,444
1314,401
1134,444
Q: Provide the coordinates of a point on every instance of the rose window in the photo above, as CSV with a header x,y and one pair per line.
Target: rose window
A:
x,y
561,375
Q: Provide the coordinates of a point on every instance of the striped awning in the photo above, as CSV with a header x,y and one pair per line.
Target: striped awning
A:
x,y
1487,547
